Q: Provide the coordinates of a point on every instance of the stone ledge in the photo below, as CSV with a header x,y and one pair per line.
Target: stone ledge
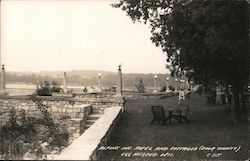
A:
x,y
62,98
83,147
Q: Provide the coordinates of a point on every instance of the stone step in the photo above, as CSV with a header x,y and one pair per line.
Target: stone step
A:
x,y
94,116
97,111
90,122
87,126
92,119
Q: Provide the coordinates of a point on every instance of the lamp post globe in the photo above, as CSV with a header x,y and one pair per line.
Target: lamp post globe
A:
x,y
167,85
155,84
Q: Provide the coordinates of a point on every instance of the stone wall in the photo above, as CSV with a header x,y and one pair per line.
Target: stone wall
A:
x,y
76,108
97,154
77,112
127,95
135,96
86,146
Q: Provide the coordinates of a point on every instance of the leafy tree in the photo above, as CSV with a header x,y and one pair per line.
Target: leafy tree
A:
x,y
208,40
140,86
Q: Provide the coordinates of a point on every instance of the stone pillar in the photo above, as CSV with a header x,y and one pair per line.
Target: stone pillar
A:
x,y
3,86
119,82
167,85
99,82
155,81
64,82
3,83
176,81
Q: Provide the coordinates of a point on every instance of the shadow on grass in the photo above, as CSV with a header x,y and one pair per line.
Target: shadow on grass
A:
x,y
209,127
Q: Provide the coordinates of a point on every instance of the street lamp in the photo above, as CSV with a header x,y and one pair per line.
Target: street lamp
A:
x,y
176,84
155,79
167,86
64,82
183,84
119,81
191,86
2,83
99,81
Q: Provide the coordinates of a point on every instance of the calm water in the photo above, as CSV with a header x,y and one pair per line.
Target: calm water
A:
x,y
27,89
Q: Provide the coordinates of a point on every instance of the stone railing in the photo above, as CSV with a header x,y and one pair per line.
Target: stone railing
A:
x,y
127,95
134,96
86,146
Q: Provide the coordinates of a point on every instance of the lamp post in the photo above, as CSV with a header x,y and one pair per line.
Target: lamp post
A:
x,y
64,82
191,86
119,82
181,84
167,85
176,85
3,83
155,81
99,81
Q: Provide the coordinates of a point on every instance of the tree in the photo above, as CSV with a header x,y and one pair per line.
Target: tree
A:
x,y
208,40
140,86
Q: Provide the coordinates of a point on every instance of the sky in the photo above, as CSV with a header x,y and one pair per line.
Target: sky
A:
x,y
39,35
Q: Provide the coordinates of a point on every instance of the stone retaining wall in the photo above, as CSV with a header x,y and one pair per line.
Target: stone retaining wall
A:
x,y
127,95
86,146
77,109
116,115
76,112
135,96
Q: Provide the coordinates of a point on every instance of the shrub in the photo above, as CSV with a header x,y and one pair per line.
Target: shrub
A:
x,y
55,87
163,89
140,86
171,88
45,89
22,134
14,134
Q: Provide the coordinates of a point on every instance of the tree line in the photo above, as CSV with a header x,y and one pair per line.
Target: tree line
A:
x,y
108,79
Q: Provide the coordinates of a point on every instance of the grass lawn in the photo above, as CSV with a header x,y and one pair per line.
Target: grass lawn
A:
x,y
209,127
